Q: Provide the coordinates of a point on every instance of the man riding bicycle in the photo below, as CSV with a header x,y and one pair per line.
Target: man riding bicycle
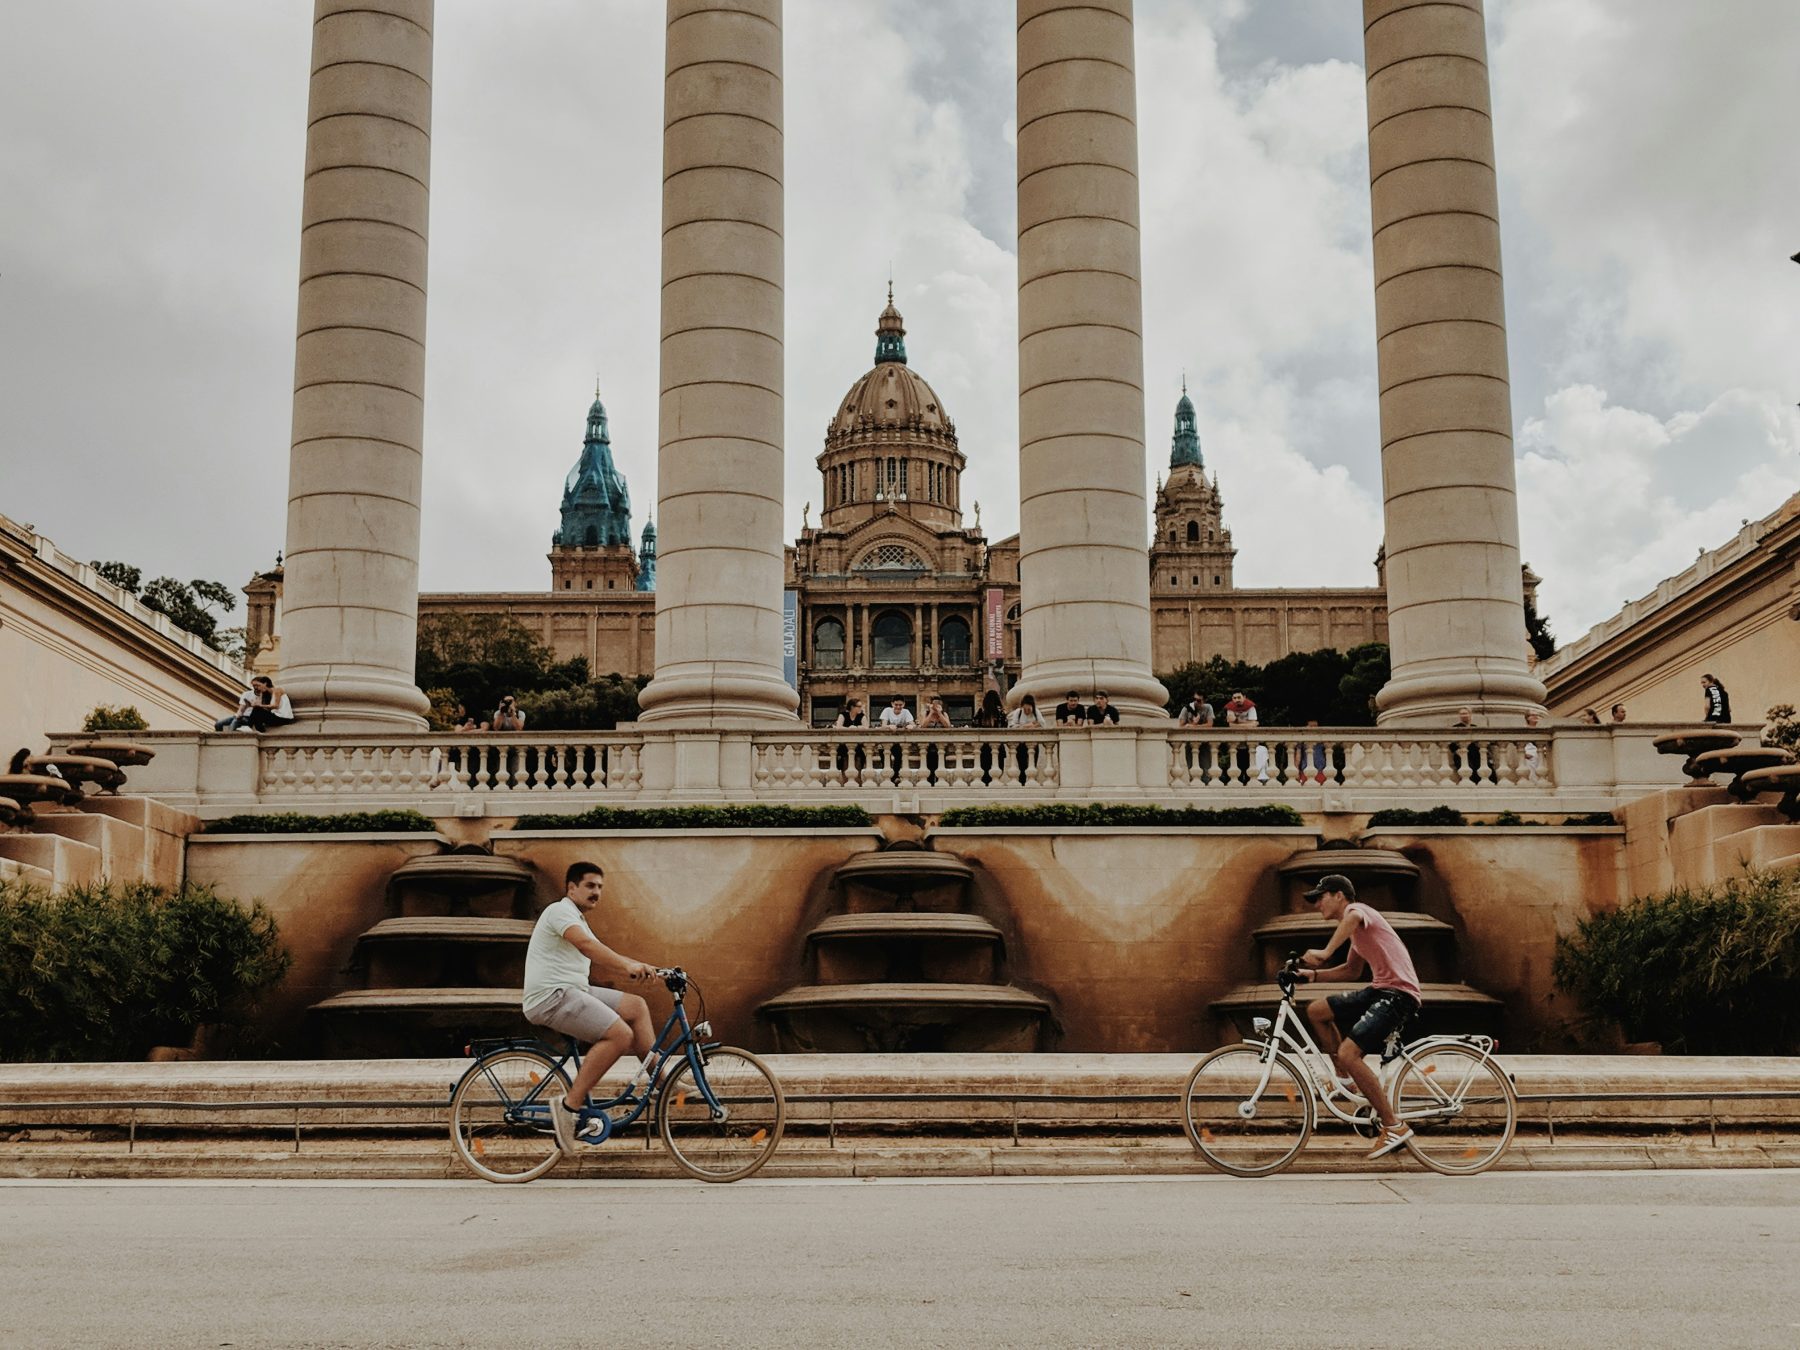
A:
x,y
1371,1013
559,961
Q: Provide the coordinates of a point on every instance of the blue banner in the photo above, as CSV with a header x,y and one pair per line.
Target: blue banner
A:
x,y
790,637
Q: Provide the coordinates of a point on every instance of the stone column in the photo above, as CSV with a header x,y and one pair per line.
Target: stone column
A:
x,y
1084,569
719,488
351,590
1456,618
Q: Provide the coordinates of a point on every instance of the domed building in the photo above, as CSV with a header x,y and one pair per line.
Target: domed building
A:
x,y
891,586
893,593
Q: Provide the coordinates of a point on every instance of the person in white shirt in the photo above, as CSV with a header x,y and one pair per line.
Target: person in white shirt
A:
x,y
896,714
562,957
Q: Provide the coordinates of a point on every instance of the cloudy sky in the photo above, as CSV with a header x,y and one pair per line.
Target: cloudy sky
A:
x,y
149,238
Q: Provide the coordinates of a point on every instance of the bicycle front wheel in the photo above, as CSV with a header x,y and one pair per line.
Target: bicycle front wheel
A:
x,y
723,1126
500,1116
1237,1127
1461,1106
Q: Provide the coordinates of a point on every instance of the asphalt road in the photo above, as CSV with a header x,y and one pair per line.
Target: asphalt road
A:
x,y
1641,1259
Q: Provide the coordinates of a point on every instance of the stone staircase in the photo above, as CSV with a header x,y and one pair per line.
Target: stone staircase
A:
x,y
102,837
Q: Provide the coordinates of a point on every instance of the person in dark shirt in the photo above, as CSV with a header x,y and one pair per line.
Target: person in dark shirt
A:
x,y
1718,702
1103,710
1070,711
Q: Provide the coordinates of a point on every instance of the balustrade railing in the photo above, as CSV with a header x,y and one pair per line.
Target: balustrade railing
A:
x,y
562,762
230,772
1317,758
836,759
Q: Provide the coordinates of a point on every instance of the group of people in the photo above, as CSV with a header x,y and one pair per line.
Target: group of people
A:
x,y
264,706
1715,706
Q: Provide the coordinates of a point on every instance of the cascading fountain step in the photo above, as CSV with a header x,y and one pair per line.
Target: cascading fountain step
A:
x,y
889,1017
889,924
1449,1008
450,928
1313,928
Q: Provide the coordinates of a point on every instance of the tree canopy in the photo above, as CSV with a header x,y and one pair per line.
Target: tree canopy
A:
x,y
1329,686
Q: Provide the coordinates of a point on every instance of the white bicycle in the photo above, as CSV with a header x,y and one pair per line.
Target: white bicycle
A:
x,y
1250,1108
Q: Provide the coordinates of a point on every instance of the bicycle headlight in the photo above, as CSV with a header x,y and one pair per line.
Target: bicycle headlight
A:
x,y
702,1029
1261,1026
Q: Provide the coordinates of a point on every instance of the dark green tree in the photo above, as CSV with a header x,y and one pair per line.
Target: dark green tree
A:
x,y
190,605
123,575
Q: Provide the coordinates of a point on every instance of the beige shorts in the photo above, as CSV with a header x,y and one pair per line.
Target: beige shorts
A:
x,y
585,1014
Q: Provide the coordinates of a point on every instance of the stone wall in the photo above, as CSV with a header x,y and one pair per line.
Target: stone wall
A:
x,y
1132,934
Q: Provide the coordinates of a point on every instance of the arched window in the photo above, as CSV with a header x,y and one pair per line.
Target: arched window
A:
x,y
895,556
828,645
1193,532
953,642
892,640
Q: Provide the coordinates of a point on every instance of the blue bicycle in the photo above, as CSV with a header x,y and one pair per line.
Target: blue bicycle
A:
x,y
719,1109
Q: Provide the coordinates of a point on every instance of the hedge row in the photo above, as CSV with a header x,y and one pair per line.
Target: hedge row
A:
x,y
701,818
1120,813
348,822
1449,815
105,973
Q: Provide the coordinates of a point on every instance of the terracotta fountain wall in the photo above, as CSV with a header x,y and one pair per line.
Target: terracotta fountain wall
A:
x,y
1131,934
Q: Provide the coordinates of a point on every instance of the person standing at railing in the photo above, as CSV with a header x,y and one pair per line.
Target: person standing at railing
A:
x,y
1026,717
935,719
1241,712
1196,712
1529,753
851,718
1465,723
898,717
1103,711
991,717
1071,712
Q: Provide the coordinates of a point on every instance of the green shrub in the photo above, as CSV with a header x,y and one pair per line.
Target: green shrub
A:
x,y
1706,970
1400,815
700,818
1592,818
1119,813
348,822
105,717
105,972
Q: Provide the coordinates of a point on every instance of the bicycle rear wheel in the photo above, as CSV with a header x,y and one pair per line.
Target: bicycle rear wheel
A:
x,y
500,1116
1461,1106
733,1140
1238,1129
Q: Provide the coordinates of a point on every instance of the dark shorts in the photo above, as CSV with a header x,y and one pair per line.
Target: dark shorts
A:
x,y
1369,1015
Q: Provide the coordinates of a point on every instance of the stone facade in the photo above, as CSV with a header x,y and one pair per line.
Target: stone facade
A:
x,y
1734,614
69,640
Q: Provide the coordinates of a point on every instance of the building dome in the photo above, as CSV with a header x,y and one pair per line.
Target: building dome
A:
x,y
890,444
892,396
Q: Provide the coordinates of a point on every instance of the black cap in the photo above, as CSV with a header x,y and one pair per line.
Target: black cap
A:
x,y
1332,881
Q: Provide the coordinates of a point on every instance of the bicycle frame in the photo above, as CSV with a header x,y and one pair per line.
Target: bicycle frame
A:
x,y
1280,1038
534,1109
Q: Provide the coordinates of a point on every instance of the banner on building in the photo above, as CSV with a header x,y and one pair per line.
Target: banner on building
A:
x,y
790,637
996,624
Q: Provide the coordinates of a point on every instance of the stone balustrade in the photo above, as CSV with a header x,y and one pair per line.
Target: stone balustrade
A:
x,y
1314,769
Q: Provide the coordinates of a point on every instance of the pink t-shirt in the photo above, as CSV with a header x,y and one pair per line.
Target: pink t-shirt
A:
x,y
1380,946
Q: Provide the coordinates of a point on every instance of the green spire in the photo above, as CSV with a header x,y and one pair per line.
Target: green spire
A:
x,y
890,333
1185,448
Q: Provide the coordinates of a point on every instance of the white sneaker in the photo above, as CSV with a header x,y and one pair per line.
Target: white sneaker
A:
x,y
1390,1140
562,1124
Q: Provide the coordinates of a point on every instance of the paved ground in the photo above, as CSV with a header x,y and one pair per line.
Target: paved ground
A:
x,y
1641,1259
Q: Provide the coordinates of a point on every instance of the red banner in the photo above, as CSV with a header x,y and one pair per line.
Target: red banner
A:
x,y
996,624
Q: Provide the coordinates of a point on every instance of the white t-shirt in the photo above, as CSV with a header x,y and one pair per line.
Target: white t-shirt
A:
x,y
551,960
890,718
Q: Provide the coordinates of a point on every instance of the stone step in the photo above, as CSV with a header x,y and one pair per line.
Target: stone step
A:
x,y
123,855
68,862
424,1000
905,925
310,1156
1755,847
451,928
25,874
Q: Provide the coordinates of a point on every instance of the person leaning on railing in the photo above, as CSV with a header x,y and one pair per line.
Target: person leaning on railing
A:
x,y
1026,717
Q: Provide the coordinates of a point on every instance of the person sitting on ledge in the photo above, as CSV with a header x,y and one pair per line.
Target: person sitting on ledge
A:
x,y
561,958
270,710
1372,1012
